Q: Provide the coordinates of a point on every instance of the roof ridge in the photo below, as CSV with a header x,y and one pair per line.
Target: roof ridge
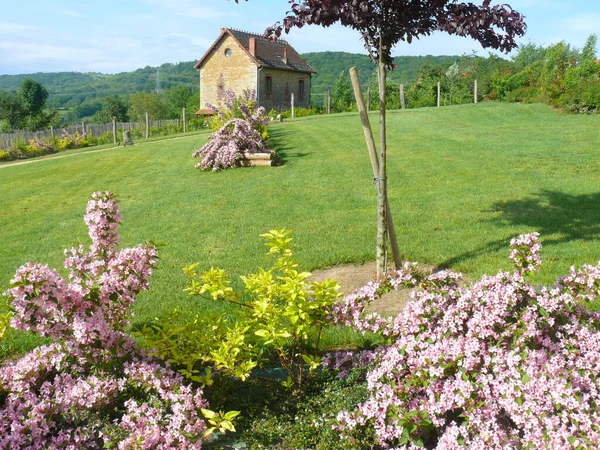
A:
x,y
238,30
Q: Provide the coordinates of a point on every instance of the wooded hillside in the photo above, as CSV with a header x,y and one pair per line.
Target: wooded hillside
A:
x,y
69,89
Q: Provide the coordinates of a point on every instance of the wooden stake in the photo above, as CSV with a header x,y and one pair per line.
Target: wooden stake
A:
x,y
83,130
439,94
364,118
114,129
52,131
184,121
147,126
293,111
475,90
381,182
402,102
328,101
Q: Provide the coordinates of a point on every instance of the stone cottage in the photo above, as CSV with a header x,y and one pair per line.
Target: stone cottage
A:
x,y
240,60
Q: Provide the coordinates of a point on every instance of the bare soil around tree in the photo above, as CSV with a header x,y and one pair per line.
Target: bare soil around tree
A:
x,y
352,277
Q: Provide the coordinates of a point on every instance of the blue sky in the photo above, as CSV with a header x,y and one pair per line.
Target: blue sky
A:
x,y
112,36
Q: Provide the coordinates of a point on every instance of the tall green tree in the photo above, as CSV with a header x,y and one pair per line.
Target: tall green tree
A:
x,y
25,108
113,106
12,110
392,93
154,104
342,96
528,54
34,97
588,54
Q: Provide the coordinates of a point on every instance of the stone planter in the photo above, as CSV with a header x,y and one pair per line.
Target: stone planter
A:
x,y
256,159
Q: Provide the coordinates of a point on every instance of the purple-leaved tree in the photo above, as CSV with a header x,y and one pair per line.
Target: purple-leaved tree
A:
x,y
384,23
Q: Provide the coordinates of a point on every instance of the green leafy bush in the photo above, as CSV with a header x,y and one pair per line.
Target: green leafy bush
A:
x,y
286,313
4,320
583,97
299,112
308,421
70,141
278,312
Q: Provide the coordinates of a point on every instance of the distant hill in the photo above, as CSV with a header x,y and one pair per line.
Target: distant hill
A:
x,y
68,89
329,65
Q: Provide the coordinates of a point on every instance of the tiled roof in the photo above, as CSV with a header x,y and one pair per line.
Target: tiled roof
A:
x,y
268,53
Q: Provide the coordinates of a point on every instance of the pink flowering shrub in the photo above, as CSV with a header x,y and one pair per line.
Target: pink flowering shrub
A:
x,y
499,364
92,387
242,128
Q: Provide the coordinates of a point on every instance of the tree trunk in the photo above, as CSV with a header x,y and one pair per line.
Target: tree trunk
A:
x,y
382,178
364,118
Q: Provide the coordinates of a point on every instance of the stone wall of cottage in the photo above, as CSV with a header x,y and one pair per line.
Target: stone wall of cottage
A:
x,y
220,72
238,72
283,84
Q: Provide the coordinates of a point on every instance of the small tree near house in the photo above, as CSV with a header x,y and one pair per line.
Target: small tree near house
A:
x,y
384,23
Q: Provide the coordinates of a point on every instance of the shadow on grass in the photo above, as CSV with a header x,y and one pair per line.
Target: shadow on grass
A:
x,y
568,217
279,143
573,217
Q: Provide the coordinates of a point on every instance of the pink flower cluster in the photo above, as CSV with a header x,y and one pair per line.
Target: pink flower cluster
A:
x,y
499,364
236,137
351,310
93,387
525,252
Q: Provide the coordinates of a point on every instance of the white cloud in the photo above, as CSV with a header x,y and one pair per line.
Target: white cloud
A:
x,y
40,52
16,29
196,9
196,41
69,13
546,4
582,23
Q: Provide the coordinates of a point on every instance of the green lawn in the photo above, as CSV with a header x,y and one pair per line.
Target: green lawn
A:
x,y
462,181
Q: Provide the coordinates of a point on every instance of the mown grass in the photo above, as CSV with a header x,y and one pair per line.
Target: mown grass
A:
x,y
462,181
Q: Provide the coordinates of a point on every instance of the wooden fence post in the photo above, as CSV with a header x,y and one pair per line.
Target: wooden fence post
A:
x,y
369,98
114,129
293,111
364,118
328,101
184,121
439,86
402,102
52,132
83,130
147,126
475,90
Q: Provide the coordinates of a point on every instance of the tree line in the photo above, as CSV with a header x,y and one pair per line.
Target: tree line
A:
x,y
559,75
27,107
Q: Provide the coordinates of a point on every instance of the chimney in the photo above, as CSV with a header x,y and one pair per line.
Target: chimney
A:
x,y
252,46
285,59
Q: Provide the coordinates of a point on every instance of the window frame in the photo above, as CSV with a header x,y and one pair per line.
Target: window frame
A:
x,y
268,84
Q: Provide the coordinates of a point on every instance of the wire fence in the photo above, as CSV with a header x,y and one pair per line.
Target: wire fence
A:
x,y
9,140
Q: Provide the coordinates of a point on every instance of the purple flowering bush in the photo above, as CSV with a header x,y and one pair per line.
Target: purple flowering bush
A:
x,y
93,387
498,364
240,128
